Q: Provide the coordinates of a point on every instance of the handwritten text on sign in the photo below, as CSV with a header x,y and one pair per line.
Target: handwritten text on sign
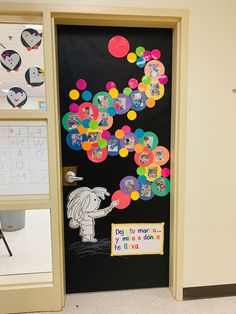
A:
x,y
137,239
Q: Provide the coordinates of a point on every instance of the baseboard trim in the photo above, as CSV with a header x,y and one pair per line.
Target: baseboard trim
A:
x,y
209,292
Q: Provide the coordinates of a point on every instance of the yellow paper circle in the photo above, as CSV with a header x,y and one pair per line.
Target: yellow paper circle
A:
x,y
134,195
74,94
123,152
138,148
113,92
152,172
150,103
131,115
119,134
131,57
155,90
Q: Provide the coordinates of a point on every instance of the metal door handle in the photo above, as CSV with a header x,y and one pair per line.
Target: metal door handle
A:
x,y
70,177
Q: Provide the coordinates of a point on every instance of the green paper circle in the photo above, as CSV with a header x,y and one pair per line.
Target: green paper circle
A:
x,y
93,124
153,141
139,51
102,143
146,79
65,120
127,91
157,191
97,103
140,171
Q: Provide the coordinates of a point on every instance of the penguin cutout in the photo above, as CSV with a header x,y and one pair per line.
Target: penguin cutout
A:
x,y
34,76
16,97
31,38
10,60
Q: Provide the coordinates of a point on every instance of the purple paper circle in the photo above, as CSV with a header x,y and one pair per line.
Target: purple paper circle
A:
x,y
74,108
129,184
81,84
110,85
128,142
122,104
147,55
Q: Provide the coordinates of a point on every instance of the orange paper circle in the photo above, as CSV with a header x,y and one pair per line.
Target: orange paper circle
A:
x,y
138,148
142,87
81,129
150,103
119,134
86,146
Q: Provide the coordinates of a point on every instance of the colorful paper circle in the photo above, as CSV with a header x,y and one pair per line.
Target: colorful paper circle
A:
x,y
74,108
122,104
149,140
102,143
118,46
119,133
146,79
127,91
161,155
154,69
81,84
139,133
93,124
129,184
74,94
156,54
124,199
74,139
110,85
87,110
70,121
131,115
142,87
165,172
106,135
131,57
141,171
111,111
139,51
97,154
126,128
163,79
140,62
134,195
123,152
147,55
138,148
113,92
152,172
144,158
155,90
161,186
86,95
133,83
103,101
86,146
138,100
150,102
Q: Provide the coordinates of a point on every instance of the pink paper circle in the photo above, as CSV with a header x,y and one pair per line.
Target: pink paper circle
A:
x,y
133,83
165,172
118,46
81,84
163,79
155,53
124,199
110,85
126,129
147,55
74,108
106,135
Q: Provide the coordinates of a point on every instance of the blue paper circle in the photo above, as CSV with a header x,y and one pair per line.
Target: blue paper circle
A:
x,y
139,133
140,62
74,139
86,95
145,191
138,100
86,123
111,111
142,179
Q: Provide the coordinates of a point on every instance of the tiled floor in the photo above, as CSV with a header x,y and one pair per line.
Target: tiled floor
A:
x,y
146,301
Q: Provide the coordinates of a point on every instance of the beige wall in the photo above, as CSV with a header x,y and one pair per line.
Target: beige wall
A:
x,y
210,211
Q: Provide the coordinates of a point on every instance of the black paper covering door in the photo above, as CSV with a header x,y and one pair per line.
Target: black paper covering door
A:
x,y
83,55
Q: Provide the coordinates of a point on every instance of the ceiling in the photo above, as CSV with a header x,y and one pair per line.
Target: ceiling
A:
x,y
10,35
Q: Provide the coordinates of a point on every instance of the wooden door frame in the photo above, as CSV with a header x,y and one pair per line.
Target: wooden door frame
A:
x,y
52,15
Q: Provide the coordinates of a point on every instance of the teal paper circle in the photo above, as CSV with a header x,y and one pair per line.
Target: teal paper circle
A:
x,y
161,186
100,103
153,140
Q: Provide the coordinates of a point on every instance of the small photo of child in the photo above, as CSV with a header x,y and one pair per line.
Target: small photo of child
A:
x,y
96,153
160,155
76,139
152,172
161,186
148,141
137,100
94,136
102,101
144,157
146,190
154,89
129,142
103,119
87,113
72,122
129,186
154,70
120,103
112,146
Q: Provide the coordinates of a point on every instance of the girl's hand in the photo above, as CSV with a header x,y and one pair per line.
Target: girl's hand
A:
x,y
114,203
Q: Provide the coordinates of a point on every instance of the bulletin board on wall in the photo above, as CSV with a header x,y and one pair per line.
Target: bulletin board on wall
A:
x,y
85,58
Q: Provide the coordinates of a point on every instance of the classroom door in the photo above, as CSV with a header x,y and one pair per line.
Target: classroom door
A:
x,y
115,105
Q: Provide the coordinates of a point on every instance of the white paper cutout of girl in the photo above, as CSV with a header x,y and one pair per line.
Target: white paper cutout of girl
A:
x,y
82,210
